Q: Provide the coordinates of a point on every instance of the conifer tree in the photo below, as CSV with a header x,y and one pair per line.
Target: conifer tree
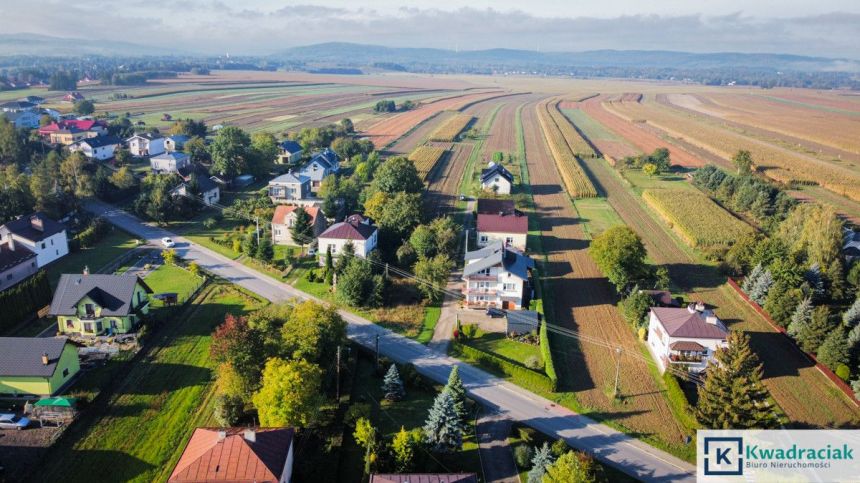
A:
x,y
816,282
812,335
329,265
733,396
851,317
800,317
302,231
761,287
750,280
835,350
458,393
542,459
403,448
443,429
345,257
392,385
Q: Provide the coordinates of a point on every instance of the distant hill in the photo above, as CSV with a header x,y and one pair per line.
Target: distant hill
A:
x,y
358,54
44,45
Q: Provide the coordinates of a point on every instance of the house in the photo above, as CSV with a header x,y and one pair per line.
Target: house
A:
x,y
511,229
497,276
236,455
687,337
146,144
17,106
289,188
99,147
17,263
200,187
175,142
521,322
284,219
495,206
69,131
95,304
36,366
497,179
289,152
424,478
23,119
73,97
169,162
321,165
356,229
39,234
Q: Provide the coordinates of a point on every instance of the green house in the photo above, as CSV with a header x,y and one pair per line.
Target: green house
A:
x,y
95,304
36,366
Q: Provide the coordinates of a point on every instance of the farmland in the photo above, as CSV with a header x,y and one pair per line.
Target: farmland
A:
x,y
425,158
697,218
578,145
451,129
575,179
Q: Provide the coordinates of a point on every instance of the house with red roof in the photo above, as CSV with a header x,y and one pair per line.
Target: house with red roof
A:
x,y
356,229
236,455
284,219
509,227
70,131
687,337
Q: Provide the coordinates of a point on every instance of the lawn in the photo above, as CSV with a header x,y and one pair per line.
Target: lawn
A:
x,y
497,343
139,433
596,215
173,279
106,251
431,318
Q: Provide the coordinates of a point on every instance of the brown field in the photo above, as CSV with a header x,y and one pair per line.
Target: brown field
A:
x,y
418,135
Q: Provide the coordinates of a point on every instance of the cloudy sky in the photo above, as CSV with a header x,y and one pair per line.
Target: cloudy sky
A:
x,y
828,28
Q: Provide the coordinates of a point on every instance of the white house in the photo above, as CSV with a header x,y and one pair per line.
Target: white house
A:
x,y
497,179
321,165
687,337
175,142
289,188
40,234
285,218
200,187
99,147
289,152
169,162
146,144
497,276
511,229
356,229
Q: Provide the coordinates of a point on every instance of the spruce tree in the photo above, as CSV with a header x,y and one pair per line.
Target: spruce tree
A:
x,y
392,385
816,282
750,280
329,264
458,393
345,257
835,276
265,251
834,351
302,230
542,459
443,429
851,317
733,396
856,386
761,287
812,335
800,317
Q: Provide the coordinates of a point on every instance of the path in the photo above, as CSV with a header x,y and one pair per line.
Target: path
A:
x,y
497,457
614,448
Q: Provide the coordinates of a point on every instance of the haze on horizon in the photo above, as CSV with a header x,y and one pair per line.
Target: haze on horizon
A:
x,y
826,28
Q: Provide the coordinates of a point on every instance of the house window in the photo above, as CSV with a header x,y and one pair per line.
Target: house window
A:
x,y
88,326
509,240
484,238
52,242
70,324
66,372
99,326
9,277
510,287
32,264
43,245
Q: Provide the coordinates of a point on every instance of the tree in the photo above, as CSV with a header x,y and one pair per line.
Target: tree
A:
x,y
782,302
458,393
12,148
635,307
169,256
443,429
572,466
365,433
752,278
661,278
743,161
290,393
397,174
385,106
236,344
733,396
816,282
194,269
196,150
800,318
263,151
346,256
423,240
229,152
84,107
834,351
228,410
851,317
358,286
329,266
313,332
265,251
812,334
403,446
541,460
392,385
302,230
759,290
123,178
620,254
649,169
189,127
347,126
434,272
74,176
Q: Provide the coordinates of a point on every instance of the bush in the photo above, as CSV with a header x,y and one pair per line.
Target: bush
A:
x,y
524,377
469,331
92,234
209,223
311,276
534,363
410,376
523,456
678,402
228,410
546,353
560,447
527,435
843,372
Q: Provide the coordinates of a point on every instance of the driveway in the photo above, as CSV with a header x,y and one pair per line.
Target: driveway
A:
x,y
497,456
606,444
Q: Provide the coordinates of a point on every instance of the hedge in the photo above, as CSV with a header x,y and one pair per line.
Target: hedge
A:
x,y
679,403
521,376
22,301
549,364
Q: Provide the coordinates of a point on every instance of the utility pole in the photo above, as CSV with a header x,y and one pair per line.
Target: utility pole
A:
x,y
337,391
617,368
377,351
257,221
386,269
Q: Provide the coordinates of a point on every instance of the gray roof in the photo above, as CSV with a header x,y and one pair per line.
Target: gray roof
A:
x,y
174,156
324,170
494,170
497,255
290,178
113,293
99,141
13,258
146,135
22,356
179,138
24,227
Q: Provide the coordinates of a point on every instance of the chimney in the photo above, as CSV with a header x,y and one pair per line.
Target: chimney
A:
x,y
250,435
45,359
700,307
501,213
11,243
222,435
86,270
37,223
691,308
712,319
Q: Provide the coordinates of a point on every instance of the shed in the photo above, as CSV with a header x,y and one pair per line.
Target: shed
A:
x,y
522,321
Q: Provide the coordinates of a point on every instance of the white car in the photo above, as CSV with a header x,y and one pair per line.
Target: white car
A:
x,y
168,242
10,421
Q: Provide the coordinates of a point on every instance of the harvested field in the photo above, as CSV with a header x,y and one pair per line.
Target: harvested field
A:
x,y
418,135
426,157
698,219
575,179
451,128
443,183
848,103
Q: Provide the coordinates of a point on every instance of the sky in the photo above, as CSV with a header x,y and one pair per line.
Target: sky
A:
x,y
828,28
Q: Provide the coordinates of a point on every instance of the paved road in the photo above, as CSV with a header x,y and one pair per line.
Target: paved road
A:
x,y
497,457
608,445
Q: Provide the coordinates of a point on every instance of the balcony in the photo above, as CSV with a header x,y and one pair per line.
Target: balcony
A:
x,y
482,278
687,357
482,291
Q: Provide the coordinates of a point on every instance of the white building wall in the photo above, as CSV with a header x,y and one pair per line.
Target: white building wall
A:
x,y
517,240
362,247
47,250
501,184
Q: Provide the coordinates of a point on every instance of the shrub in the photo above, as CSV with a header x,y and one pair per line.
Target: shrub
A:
x,y
469,331
560,447
546,353
410,376
24,299
843,372
525,377
523,456
534,363
526,434
228,410
679,403
209,223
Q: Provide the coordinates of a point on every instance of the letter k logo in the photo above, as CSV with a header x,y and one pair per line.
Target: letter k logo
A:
x,y
723,456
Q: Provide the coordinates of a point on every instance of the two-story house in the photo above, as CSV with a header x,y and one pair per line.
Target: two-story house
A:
x,y
146,144
322,164
200,188
23,119
497,276
99,148
284,219
175,142
289,152
510,228
169,162
497,178
39,234
687,337
290,188
356,229
95,304
69,131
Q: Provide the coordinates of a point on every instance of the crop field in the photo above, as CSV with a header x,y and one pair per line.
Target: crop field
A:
x,y
840,102
451,129
699,220
575,179
425,158
577,143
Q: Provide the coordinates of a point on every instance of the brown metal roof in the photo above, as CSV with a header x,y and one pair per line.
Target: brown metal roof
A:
x,y
495,206
503,223
235,459
346,230
683,323
686,345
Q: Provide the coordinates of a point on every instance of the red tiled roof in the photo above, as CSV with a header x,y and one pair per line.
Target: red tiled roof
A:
x,y
425,478
234,459
503,223
680,322
281,212
349,231
81,124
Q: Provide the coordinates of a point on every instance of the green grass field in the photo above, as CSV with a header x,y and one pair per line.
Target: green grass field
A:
x,y
109,249
170,278
596,214
591,128
139,433
497,343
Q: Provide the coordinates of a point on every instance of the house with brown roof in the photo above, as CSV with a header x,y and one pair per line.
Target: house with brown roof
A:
x,y
495,205
284,219
236,455
511,228
356,229
686,337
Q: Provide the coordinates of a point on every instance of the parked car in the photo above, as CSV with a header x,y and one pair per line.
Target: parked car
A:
x,y
168,242
495,313
11,421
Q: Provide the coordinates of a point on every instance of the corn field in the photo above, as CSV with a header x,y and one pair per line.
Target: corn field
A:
x,y
577,143
449,131
697,218
425,158
577,182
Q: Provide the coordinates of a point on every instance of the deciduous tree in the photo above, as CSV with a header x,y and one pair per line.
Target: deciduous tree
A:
x,y
570,467
620,254
290,393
